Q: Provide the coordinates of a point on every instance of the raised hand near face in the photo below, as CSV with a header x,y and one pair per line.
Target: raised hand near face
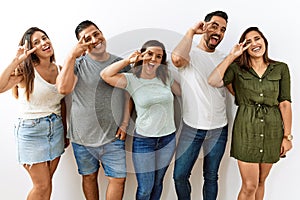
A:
x,y
201,27
238,49
136,56
81,47
22,54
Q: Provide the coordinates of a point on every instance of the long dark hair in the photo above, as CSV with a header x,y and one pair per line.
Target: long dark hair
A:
x,y
162,70
29,63
244,59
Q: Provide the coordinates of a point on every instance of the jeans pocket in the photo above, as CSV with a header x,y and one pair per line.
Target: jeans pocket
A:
x,y
28,123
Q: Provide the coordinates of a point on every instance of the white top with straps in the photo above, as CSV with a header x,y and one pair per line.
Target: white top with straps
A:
x,y
43,101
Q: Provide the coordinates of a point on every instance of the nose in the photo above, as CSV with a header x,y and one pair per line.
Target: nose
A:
x,y
153,57
94,39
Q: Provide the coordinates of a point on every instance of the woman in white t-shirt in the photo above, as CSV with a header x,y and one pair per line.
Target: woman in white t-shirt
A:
x,y
39,129
151,87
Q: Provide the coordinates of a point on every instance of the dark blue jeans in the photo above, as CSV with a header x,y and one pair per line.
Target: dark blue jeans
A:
x,y
190,142
151,159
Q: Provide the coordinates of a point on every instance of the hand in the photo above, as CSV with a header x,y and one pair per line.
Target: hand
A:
x,y
136,56
286,145
121,133
201,27
238,49
23,52
81,47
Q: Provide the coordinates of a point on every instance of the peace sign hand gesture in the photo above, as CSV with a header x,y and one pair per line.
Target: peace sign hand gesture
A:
x,y
81,47
201,27
23,52
238,49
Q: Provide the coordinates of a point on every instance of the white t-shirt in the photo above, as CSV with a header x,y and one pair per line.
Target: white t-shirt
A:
x,y
204,106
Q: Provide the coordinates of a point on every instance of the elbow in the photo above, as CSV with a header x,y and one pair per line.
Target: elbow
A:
x,y
177,60
103,75
63,90
212,83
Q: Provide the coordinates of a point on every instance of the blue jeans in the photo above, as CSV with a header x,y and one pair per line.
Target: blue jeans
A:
x,y
189,145
151,159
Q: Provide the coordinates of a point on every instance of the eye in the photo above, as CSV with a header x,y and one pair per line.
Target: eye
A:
x,y
257,38
35,43
44,38
150,53
223,30
87,39
214,26
159,56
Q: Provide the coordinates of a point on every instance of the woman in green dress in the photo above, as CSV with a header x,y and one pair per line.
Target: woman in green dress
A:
x,y
262,125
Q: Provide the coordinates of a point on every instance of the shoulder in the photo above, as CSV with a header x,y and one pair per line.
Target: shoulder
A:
x,y
278,65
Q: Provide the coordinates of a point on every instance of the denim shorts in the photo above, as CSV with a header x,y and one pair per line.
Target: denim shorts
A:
x,y
39,140
112,157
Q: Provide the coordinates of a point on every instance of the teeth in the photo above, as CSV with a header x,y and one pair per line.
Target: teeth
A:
x,y
256,49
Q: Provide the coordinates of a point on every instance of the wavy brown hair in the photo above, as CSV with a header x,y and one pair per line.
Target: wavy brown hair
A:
x,y
29,63
162,70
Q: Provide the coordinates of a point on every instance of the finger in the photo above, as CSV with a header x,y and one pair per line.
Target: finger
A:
x,y
144,53
31,50
123,136
81,39
25,45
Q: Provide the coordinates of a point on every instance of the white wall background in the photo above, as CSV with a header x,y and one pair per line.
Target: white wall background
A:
x,y
277,19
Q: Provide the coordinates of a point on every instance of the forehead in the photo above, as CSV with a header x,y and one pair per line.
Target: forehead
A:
x,y
89,31
251,34
220,20
36,35
157,50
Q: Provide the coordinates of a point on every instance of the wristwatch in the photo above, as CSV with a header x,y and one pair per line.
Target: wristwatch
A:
x,y
289,137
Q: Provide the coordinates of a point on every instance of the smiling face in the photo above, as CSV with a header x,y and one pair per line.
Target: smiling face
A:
x,y
258,47
151,61
94,35
42,43
215,33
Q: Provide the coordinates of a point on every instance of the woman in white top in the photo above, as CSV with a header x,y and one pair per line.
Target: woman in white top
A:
x,y
40,129
150,86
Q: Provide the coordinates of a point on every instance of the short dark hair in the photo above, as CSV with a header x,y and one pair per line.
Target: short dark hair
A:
x,y
83,25
216,13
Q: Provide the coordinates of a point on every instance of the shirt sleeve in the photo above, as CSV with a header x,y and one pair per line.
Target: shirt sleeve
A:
x,y
285,84
229,74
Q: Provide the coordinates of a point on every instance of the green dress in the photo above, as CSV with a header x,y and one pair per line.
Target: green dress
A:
x,y
258,127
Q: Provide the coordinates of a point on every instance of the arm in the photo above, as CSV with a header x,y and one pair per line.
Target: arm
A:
x,y
66,79
128,107
215,79
286,113
111,73
180,55
64,121
176,89
13,73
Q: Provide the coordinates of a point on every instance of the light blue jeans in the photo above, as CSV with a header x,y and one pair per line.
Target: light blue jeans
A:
x,y
151,159
190,142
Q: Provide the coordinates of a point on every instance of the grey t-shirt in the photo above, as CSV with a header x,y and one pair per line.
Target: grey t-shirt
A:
x,y
96,108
